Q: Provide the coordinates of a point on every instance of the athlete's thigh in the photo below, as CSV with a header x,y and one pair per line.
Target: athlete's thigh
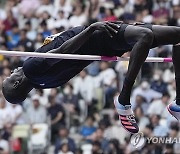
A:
x,y
133,33
164,35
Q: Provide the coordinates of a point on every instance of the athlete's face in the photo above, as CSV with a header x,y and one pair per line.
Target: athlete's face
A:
x,y
15,78
16,87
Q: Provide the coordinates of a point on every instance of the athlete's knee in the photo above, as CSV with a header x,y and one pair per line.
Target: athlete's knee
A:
x,y
177,30
147,36
176,33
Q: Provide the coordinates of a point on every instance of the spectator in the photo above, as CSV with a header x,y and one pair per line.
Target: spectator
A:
x,y
10,21
65,149
45,31
174,131
88,129
142,120
161,12
96,149
17,114
84,86
24,43
158,84
45,7
50,21
5,113
61,21
39,41
70,101
63,138
64,5
145,91
168,149
94,9
36,113
93,70
114,147
168,75
78,18
42,97
6,72
112,130
148,131
99,137
57,115
13,37
26,6
2,14
107,80
162,104
107,76
122,67
140,101
16,62
31,34
56,94
159,130
4,145
176,11
109,15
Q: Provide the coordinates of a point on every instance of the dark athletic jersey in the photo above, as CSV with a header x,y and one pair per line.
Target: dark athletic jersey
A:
x,y
49,73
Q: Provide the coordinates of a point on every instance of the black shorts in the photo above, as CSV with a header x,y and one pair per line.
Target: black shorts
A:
x,y
101,44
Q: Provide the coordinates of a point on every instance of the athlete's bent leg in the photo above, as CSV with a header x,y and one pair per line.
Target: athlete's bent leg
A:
x,y
174,107
142,39
176,63
171,35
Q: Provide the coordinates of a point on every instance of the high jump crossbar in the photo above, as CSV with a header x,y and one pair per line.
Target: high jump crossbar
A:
x,y
77,57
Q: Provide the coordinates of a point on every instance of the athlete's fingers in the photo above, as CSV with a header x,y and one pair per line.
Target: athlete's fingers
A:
x,y
112,30
116,26
117,22
107,31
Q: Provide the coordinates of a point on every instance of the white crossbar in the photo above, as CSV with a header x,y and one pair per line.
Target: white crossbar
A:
x,y
77,57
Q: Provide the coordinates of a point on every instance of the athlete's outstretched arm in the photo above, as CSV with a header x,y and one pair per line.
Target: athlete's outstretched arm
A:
x,y
73,44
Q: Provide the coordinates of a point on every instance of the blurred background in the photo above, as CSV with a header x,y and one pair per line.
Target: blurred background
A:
x,y
79,117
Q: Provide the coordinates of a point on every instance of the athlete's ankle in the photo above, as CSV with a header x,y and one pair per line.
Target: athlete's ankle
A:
x,y
177,102
124,97
123,101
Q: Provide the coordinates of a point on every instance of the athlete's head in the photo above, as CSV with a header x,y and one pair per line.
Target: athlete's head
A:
x,y
16,87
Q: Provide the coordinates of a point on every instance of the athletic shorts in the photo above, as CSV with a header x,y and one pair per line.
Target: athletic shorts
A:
x,y
101,44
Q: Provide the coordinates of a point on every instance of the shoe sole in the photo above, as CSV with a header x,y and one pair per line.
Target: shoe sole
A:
x,y
171,112
121,122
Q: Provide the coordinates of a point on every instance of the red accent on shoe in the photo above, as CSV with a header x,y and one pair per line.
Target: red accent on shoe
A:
x,y
126,123
130,127
122,118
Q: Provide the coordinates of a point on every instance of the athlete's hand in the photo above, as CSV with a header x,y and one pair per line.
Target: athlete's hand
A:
x,y
108,27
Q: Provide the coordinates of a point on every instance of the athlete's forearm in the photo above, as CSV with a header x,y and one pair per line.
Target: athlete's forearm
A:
x,y
73,44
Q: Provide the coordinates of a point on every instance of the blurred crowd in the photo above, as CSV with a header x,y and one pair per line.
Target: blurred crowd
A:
x,y
80,116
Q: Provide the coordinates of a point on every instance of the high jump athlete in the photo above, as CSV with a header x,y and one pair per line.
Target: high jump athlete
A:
x,y
104,39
